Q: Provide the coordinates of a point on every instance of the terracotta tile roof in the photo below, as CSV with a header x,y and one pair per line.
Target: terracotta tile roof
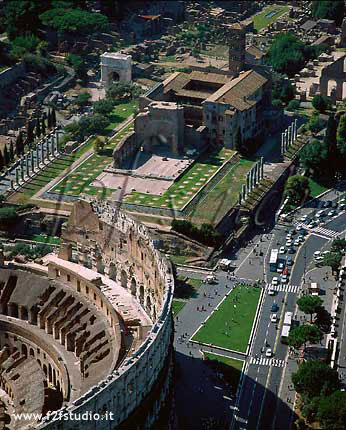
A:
x,y
236,91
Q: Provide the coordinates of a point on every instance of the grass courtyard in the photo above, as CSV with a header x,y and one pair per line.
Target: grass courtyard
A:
x,y
230,326
229,367
316,188
177,306
79,180
223,196
267,16
187,185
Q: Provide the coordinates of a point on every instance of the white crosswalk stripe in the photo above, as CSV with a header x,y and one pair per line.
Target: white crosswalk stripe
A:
x,y
264,361
319,230
285,288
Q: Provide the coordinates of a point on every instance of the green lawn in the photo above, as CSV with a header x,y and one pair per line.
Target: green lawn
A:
x,y
177,306
120,113
316,188
223,196
261,21
187,186
230,368
45,239
230,326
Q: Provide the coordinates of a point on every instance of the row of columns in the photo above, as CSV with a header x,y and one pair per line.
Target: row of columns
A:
x,y
253,178
288,136
35,160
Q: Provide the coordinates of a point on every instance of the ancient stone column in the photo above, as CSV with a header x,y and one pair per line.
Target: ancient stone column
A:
x,y
239,199
282,141
11,184
42,153
251,180
244,191
255,175
21,170
286,138
27,165
47,148
262,167
259,170
247,182
37,157
32,162
17,176
292,133
295,128
57,140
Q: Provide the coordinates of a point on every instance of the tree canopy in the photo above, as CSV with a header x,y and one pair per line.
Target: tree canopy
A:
x,y
333,260
288,54
297,188
324,9
320,103
302,334
315,378
74,21
341,135
332,411
313,156
309,304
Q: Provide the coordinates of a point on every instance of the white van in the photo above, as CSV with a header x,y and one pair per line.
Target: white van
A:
x,y
211,279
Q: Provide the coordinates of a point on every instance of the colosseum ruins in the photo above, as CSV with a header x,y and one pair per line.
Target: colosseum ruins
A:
x,y
88,333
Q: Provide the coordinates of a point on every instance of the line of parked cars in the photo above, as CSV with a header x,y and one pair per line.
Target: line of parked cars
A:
x,y
328,209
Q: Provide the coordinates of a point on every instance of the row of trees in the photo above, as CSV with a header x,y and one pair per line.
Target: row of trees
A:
x,y
9,152
319,388
325,158
297,189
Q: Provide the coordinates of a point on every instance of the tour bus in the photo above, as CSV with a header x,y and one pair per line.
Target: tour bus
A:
x,y
286,327
273,260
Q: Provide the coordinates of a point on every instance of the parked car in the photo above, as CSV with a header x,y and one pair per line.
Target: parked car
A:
x,y
271,292
297,242
289,261
291,250
317,254
334,205
331,212
282,250
301,238
269,352
289,243
284,279
303,218
325,204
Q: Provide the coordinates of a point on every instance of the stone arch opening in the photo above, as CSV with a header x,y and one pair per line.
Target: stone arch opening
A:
x,y
45,370
115,77
24,350
133,286
148,304
24,313
123,279
31,352
141,295
112,271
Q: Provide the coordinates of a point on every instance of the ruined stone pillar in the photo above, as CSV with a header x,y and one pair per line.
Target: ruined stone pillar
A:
x,y
37,156
286,138
47,148
244,192
22,170
247,182
57,140
11,185
262,167
259,170
255,175
17,176
295,129
282,141
42,153
292,134
27,165
251,180
239,199
32,162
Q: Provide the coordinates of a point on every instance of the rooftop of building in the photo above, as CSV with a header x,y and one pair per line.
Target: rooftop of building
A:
x,y
214,87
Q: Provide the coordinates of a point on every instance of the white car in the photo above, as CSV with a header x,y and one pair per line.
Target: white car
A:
x,y
331,212
303,218
312,225
273,318
271,292
299,227
284,279
317,254
282,250
289,243
275,280
269,352
297,242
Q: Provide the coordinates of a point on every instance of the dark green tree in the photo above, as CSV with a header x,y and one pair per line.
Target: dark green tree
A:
x,y
341,135
76,22
314,157
104,106
338,245
297,189
315,123
332,259
315,378
309,305
38,127
324,9
8,215
83,99
332,411
302,334
320,103
11,152
330,141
